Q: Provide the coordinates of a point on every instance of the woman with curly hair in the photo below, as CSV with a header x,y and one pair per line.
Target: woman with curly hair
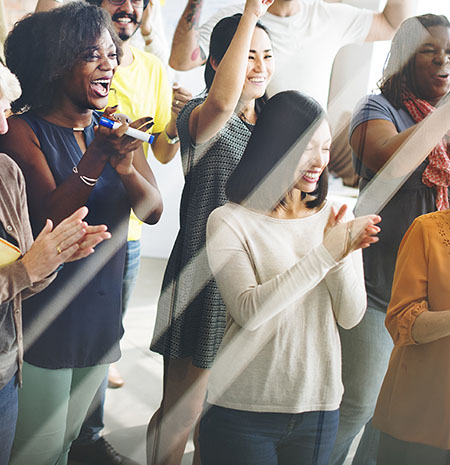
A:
x,y
65,60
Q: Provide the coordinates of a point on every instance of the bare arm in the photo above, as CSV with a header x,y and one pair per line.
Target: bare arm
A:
x,y
385,24
209,118
162,149
186,53
46,199
375,141
45,5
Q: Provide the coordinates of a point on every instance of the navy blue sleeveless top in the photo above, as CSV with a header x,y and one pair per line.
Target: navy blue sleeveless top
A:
x,y
77,321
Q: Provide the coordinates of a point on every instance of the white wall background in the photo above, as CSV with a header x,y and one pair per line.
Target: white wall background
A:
x,y
356,71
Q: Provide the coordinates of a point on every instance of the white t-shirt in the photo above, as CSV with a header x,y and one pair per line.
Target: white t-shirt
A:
x,y
305,44
284,296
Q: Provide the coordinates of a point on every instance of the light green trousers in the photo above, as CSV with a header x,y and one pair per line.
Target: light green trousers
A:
x,y
52,407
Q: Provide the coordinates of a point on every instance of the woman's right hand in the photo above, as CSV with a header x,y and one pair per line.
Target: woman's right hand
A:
x,y
257,7
114,143
342,238
71,240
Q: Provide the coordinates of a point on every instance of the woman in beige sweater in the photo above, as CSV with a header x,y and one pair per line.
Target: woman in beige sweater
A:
x,y
281,255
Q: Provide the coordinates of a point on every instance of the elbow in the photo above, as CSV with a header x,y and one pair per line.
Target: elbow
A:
x,y
180,63
155,215
350,321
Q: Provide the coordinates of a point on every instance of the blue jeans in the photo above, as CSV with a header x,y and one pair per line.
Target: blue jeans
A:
x,y
239,437
8,419
366,349
90,431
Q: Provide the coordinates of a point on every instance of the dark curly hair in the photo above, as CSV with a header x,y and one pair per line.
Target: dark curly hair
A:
x,y
44,46
399,71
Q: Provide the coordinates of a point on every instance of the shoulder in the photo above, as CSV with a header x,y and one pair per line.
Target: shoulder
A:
x,y
189,107
8,166
373,106
230,214
20,134
10,173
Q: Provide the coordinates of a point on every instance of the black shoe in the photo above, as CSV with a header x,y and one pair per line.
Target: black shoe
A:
x,y
100,452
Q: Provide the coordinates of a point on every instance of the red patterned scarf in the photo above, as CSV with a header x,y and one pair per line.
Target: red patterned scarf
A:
x,y
437,173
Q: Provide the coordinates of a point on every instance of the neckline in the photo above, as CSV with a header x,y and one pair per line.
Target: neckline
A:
x,y
72,130
281,220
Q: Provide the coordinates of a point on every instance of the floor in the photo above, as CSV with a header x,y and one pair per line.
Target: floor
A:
x,y
129,408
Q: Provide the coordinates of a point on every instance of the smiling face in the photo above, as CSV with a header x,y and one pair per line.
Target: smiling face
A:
x,y
87,84
432,67
126,17
260,65
314,160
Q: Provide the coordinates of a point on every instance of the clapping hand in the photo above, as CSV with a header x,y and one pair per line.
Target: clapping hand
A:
x,y
341,238
71,240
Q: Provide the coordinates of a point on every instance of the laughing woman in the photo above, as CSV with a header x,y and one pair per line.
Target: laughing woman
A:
x,y
65,60
284,265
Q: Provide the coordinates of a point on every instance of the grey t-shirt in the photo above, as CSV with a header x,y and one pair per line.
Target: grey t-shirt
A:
x,y
8,341
412,200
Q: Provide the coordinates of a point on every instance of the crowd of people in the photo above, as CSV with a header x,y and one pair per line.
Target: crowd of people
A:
x,y
287,323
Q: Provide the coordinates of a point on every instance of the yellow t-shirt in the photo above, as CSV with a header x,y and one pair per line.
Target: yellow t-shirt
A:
x,y
142,89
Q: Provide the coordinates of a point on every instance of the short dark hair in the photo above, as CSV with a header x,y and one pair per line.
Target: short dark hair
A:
x,y
279,138
221,38
44,46
99,3
399,71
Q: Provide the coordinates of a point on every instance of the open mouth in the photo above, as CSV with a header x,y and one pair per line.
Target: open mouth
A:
x,y
257,80
101,87
311,176
124,19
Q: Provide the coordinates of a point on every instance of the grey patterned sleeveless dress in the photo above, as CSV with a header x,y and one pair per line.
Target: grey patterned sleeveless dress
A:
x,y
191,314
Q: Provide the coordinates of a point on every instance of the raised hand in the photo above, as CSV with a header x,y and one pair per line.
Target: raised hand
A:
x,y
257,7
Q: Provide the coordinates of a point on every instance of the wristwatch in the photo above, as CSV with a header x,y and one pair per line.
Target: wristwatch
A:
x,y
171,140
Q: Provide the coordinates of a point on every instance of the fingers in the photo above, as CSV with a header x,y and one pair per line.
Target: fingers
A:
x,y
143,124
90,241
45,230
341,213
108,112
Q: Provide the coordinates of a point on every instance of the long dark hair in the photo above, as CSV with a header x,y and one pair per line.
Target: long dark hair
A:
x,y
221,38
44,46
399,71
265,175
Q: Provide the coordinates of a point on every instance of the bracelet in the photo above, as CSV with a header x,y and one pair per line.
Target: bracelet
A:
x,y
170,140
88,181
